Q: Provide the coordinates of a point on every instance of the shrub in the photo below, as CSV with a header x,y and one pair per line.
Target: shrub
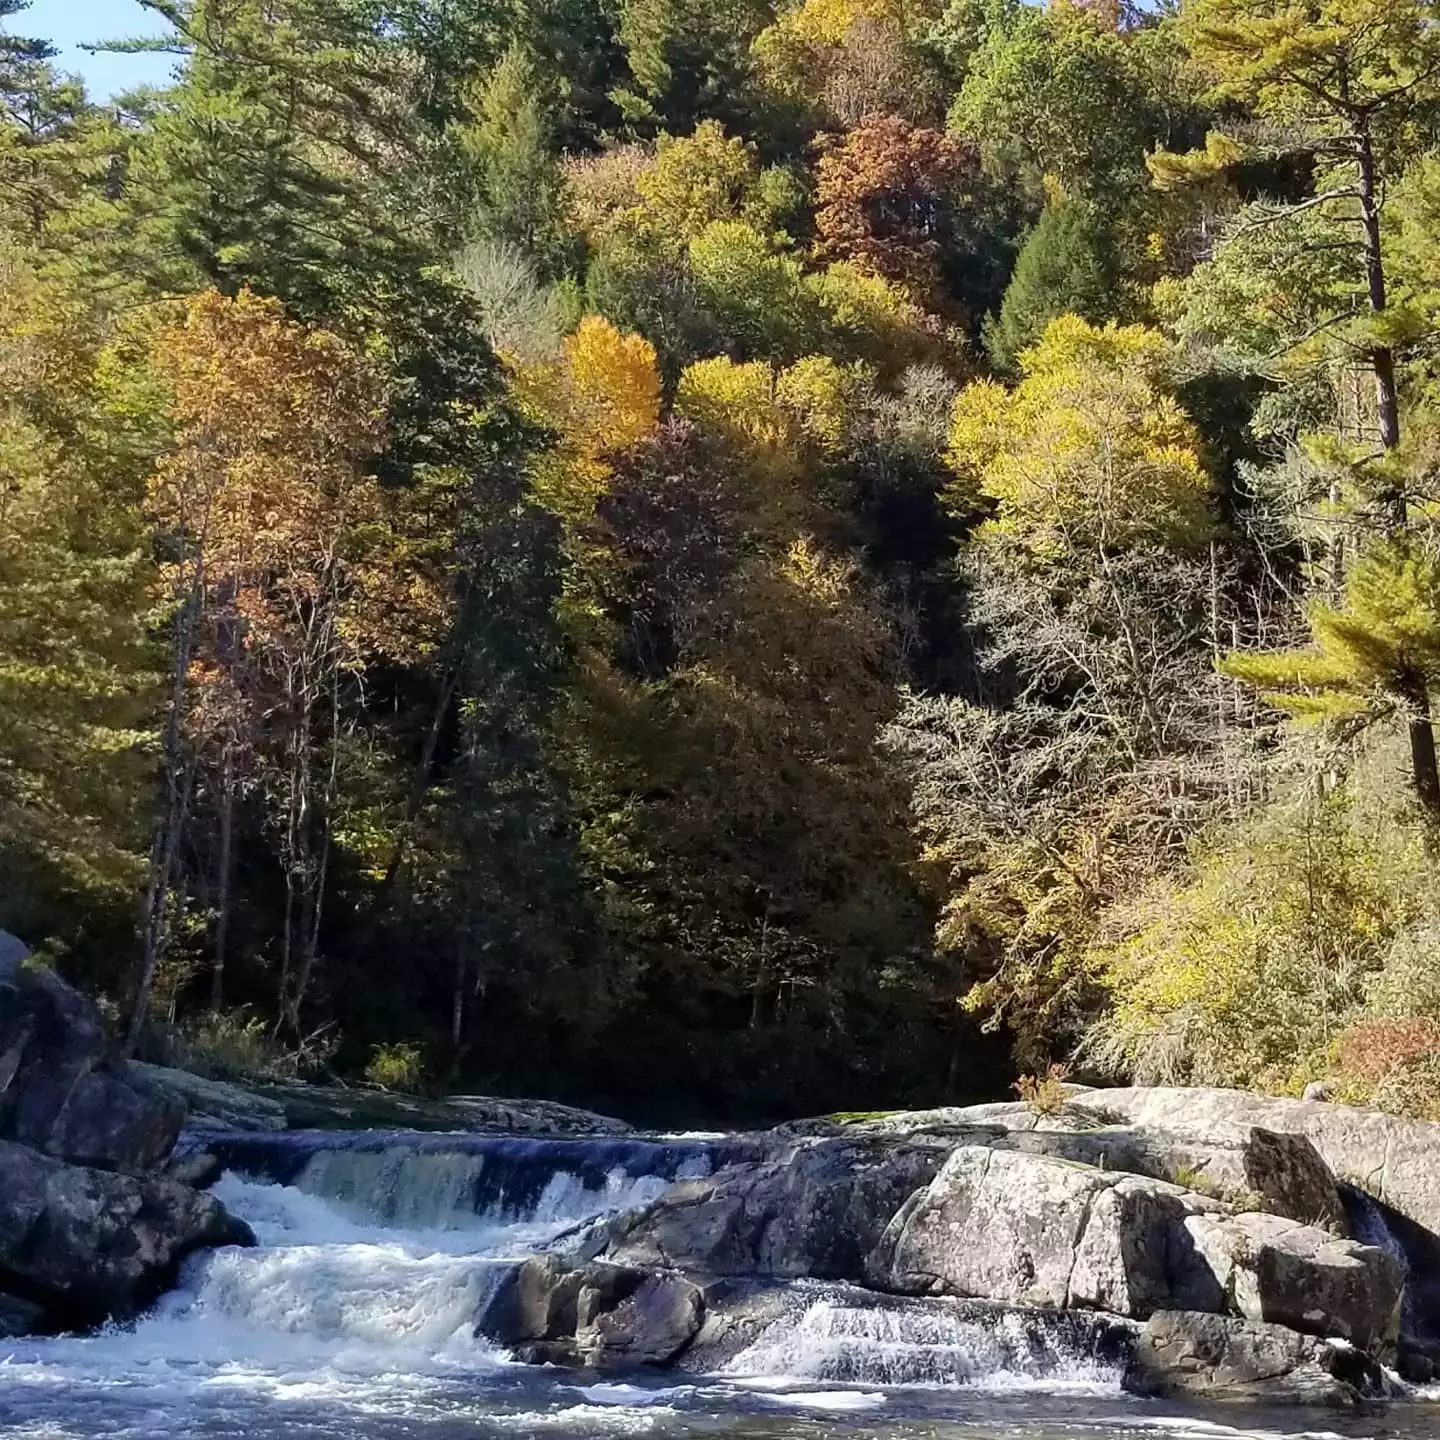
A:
x,y
1044,1094
396,1067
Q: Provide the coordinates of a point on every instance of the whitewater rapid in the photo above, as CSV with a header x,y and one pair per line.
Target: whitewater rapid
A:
x,y
354,1316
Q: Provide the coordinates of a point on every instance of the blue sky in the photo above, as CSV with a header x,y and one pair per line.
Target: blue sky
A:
x,y
68,24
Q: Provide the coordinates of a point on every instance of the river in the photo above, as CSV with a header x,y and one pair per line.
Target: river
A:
x,y
354,1320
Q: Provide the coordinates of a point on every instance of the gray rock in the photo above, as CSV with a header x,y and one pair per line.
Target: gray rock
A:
x,y
1273,1269
1217,1357
816,1210
337,1107
215,1102
597,1315
1395,1160
1036,1230
1280,1170
89,1245
199,1169
59,1090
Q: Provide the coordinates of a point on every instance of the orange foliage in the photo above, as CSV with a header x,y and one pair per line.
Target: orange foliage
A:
x,y
264,493
885,195
1372,1049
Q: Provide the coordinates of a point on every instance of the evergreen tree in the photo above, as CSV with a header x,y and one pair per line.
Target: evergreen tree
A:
x,y
1064,267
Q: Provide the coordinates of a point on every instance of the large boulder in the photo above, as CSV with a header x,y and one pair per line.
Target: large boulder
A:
x,y
60,1091
1036,1230
1219,1357
601,1316
87,1245
1273,1269
816,1210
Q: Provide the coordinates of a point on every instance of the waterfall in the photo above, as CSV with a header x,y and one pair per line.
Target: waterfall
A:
x,y
355,1313
843,1334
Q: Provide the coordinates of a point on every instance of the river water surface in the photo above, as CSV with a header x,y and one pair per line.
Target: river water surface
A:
x,y
354,1320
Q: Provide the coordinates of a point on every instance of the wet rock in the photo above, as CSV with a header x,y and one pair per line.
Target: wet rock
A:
x,y
60,1091
594,1314
1218,1357
200,1169
88,1245
816,1210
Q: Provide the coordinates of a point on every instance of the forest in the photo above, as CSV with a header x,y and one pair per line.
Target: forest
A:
x,y
731,559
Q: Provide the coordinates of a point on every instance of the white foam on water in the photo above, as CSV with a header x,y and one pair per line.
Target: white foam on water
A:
x,y
838,1340
620,1394
835,1401
1191,1425
586,1419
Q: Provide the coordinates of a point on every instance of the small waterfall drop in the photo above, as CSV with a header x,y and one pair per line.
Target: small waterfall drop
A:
x,y
843,1335
354,1316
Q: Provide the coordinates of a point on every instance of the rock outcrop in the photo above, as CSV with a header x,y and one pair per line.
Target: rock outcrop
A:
x,y
83,1246
1218,1357
1395,1160
215,1102
549,1311
815,1210
61,1092
1035,1230
89,1231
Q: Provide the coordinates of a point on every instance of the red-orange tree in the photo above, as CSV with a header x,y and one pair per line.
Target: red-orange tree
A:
x,y
267,511
886,198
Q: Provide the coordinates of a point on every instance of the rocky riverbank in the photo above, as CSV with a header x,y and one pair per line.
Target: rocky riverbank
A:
x,y
1207,1243
93,1226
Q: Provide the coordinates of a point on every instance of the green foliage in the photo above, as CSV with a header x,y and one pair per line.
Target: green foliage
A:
x,y
396,1067
509,142
1249,972
641,630
1064,267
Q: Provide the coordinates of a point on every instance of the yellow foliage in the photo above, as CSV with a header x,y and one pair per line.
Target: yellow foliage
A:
x,y
793,54
614,385
1087,451
733,401
875,318
602,395
1385,639
819,394
1247,972
693,181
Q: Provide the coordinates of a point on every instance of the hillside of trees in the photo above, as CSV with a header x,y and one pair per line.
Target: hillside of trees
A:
x,y
729,558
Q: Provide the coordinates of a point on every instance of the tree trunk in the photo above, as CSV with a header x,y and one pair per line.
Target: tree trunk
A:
x,y
1382,358
1422,747
223,886
165,847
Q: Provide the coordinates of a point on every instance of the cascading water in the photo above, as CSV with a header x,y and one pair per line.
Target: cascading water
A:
x,y
355,1315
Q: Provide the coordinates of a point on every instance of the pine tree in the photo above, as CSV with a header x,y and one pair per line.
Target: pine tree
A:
x,y
1377,652
1064,267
